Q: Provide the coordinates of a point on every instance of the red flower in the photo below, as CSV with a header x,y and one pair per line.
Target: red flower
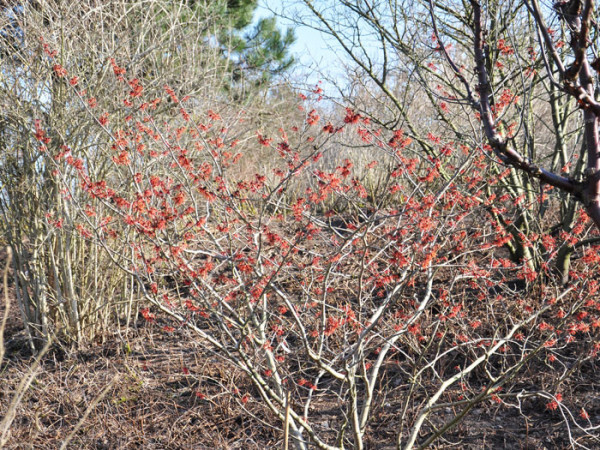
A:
x,y
103,119
146,314
136,88
351,116
171,93
213,115
59,70
552,406
264,141
118,71
313,118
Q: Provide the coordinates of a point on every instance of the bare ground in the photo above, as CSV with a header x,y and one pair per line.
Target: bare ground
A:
x,y
169,392
156,390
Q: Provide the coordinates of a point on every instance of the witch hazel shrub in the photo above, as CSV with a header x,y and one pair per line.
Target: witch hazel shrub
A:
x,y
327,259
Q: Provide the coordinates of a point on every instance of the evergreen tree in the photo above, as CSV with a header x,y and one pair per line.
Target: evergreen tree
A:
x,y
256,53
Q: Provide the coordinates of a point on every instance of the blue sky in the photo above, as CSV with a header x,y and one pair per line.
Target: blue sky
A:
x,y
312,49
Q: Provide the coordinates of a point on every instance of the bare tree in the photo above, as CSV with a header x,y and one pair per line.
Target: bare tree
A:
x,y
63,284
513,79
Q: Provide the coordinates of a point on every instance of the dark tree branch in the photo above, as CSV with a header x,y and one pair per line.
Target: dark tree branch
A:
x,y
498,143
577,80
450,61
